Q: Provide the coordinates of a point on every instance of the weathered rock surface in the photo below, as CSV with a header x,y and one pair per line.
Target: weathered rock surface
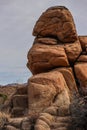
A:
x,y
56,22
47,41
19,102
81,74
73,50
43,88
42,58
57,47
56,43
11,128
69,78
49,122
82,58
58,62
83,42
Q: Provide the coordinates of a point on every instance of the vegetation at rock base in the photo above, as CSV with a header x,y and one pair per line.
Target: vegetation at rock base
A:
x,y
79,113
3,96
4,118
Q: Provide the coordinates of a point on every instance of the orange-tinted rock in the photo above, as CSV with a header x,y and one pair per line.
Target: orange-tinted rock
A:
x,y
56,22
42,58
73,50
43,88
81,74
46,40
44,103
70,80
82,58
83,41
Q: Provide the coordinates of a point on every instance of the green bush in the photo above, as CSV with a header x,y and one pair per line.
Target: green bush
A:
x,y
4,97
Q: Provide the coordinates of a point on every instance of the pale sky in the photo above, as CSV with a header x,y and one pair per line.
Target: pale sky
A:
x,y
17,19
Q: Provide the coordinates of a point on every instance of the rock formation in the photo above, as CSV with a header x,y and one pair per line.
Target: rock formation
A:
x,y
56,59
58,62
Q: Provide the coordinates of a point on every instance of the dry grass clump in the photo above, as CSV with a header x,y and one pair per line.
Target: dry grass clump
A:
x,y
4,119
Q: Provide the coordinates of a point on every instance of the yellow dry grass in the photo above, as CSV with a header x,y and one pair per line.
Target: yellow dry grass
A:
x,y
4,118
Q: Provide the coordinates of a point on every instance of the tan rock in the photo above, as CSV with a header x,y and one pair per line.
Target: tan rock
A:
x,y
70,80
22,89
73,51
81,74
46,117
20,101
51,110
61,123
43,88
56,22
8,127
62,101
42,123
60,106
42,58
26,124
16,122
41,127
83,42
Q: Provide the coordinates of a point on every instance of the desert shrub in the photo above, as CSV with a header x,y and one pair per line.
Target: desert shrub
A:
x,y
4,119
3,96
78,110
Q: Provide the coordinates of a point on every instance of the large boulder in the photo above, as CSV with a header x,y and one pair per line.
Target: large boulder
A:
x,y
56,43
42,58
43,90
56,22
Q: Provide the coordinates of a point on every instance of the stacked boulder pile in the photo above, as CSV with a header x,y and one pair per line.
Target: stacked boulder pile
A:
x,y
58,62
